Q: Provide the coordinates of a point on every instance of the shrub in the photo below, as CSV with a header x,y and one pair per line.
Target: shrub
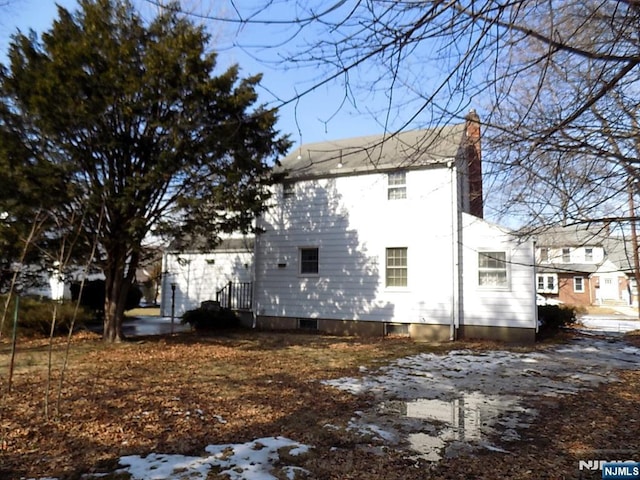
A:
x,y
554,317
206,319
93,295
35,315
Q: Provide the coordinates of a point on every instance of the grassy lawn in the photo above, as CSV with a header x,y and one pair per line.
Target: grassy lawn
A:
x,y
178,394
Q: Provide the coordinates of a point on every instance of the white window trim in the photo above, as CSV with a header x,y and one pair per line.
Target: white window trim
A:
x,y
588,258
395,287
507,261
308,274
575,288
396,187
288,189
545,277
544,258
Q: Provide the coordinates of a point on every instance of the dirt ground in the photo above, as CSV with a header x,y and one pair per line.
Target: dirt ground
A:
x,y
177,394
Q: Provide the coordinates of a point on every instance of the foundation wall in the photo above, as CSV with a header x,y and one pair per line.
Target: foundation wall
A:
x,y
418,332
502,334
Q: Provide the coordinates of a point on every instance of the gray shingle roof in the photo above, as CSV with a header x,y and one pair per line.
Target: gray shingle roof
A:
x,y
189,244
568,267
412,149
617,249
578,236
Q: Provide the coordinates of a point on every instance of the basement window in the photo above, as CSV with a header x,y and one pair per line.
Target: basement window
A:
x,y
398,329
308,324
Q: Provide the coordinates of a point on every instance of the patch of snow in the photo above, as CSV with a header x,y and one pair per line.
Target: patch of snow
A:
x,y
369,429
253,460
446,404
611,325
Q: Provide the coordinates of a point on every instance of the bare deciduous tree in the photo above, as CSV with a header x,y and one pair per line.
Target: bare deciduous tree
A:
x,y
554,81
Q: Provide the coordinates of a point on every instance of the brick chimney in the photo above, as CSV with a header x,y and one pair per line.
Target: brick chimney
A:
x,y
473,157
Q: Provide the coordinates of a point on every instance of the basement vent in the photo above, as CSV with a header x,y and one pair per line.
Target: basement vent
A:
x,y
307,324
400,329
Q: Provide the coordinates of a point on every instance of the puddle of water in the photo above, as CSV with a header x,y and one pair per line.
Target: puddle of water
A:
x,y
435,428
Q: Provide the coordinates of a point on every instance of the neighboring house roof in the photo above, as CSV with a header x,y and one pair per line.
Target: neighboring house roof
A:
x,y
187,244
587,268
412,149
557,237
617,249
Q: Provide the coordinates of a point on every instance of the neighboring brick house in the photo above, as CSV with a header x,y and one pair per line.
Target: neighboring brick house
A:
x,y
584,266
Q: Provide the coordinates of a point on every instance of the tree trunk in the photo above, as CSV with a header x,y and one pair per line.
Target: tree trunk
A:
x,y
117,285
114,303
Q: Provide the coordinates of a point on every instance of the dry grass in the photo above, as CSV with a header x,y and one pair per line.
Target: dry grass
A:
x,y
165,394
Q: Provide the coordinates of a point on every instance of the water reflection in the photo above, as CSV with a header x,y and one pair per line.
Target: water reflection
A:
x,y
448,427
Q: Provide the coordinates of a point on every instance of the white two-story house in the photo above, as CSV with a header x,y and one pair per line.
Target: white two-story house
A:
x,y
384,234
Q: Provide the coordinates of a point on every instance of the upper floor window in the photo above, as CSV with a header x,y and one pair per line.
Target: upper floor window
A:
x,y
309,259
588,254
397,185
288,189
544,254
492,269
396,271
566,255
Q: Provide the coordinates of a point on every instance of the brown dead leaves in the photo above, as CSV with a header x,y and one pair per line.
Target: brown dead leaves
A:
x,y
179,394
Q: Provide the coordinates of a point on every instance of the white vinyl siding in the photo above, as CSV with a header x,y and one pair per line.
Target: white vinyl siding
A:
x,y
505,307
199,276
352,222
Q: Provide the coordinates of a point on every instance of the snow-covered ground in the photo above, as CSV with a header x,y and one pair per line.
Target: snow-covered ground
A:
x,y
429,405
252,460
439,405
610,324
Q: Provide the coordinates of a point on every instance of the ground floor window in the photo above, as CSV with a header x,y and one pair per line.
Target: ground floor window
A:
x,y
309,259
547,283
492,269
396,267
578,284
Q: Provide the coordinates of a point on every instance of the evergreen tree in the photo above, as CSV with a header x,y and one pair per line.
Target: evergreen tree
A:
x,y
144,135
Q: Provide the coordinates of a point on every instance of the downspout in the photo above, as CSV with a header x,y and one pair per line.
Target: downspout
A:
x,y
535,286
163,284
455,238
254,303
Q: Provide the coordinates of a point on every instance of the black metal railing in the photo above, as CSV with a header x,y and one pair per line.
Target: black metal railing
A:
x,y
236,296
